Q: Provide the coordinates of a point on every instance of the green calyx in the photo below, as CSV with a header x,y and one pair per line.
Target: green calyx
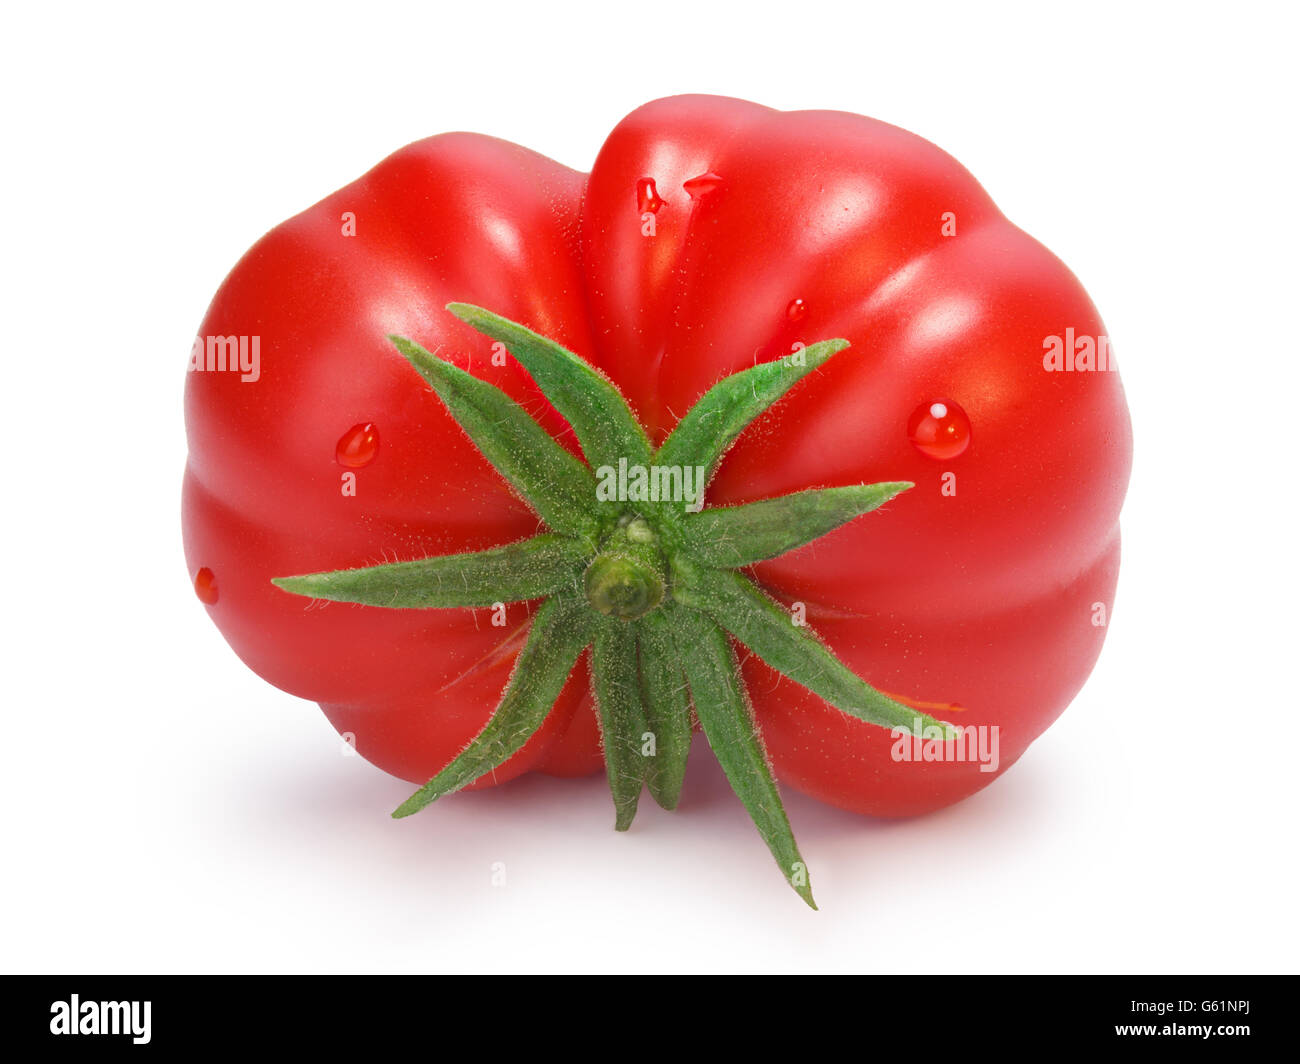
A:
x,y
634,567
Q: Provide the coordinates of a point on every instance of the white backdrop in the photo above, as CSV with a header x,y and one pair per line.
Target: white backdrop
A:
x,y
165,809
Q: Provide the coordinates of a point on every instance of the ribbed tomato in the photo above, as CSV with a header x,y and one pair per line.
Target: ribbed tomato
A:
x,y
711,235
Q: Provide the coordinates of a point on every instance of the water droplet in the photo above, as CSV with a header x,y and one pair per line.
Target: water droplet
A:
x,y
702,185
797,310
647,196
357,447
205,586
939,429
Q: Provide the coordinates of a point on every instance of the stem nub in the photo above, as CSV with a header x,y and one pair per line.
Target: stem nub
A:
x,y
625,580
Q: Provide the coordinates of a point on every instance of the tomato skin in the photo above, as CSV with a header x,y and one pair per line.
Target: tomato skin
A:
x,y
983,597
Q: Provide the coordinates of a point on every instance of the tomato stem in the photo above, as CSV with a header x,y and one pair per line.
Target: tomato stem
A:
x,y
626,579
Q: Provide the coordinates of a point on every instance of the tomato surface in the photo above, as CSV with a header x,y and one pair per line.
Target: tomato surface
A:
x,y
711,234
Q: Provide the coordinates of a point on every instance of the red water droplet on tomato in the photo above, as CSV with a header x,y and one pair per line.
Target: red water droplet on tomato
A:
x,y
939,429
358,446
797,310
205,586
702,185
647,196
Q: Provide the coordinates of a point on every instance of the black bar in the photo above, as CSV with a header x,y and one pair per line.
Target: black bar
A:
x,y
338,1014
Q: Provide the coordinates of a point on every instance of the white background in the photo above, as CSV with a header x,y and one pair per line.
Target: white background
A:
x,y
164,809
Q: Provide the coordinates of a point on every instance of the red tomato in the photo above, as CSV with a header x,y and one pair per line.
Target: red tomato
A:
x,y
710,235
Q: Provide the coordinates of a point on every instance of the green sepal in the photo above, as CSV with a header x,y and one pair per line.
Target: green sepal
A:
x,y
588,400
728,723
732,536
518,571
556,484
622,714
560,631
768,629
668,708
711,426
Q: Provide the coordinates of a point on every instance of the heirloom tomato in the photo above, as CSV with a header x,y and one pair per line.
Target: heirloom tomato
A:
x,y
513,468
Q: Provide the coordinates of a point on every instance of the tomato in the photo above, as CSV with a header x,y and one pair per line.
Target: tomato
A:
x,y
712,235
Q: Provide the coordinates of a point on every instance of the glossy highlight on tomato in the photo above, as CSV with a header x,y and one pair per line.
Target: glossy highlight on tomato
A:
x,y
769,232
